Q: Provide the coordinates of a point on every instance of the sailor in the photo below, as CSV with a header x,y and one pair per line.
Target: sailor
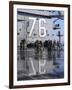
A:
x,y
22,49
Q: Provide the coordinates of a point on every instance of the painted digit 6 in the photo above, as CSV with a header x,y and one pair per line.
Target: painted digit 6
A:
x,y
41,27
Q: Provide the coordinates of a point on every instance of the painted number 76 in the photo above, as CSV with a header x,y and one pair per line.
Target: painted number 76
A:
x,y
40,27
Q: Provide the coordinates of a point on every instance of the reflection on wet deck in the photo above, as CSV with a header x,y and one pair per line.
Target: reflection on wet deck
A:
x,y
32,65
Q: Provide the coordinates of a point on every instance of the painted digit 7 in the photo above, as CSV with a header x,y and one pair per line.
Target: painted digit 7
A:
x,y
34,20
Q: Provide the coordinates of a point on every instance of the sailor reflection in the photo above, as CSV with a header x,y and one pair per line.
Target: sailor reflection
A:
x,y
38,49
58,53
27,65
49,49
22,49
54,57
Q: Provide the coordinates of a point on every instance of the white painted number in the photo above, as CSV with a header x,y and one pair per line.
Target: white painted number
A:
x,y
42,65
40,27
34,20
